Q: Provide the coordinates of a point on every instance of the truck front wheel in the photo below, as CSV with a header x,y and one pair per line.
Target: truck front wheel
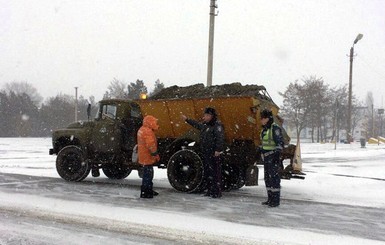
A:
x,y
185,171
71,164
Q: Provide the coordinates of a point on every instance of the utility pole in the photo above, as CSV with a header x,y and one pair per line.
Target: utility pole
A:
x,y
349,136
348,130
213,6
76,104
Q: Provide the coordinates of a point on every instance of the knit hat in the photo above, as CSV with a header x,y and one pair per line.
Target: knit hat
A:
x,y
266,114
211,111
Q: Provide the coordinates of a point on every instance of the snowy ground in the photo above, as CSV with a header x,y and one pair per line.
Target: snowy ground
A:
x,y
341,201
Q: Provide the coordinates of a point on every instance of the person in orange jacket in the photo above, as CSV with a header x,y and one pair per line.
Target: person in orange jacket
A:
x,y
148,154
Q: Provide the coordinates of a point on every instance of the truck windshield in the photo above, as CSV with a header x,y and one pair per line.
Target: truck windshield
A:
x,y
106,111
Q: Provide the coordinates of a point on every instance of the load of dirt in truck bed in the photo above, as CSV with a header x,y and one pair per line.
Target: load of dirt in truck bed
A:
x,y
200,91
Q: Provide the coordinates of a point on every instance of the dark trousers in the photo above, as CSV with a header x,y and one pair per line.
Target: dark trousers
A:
x,y
148,175
213,175
271,165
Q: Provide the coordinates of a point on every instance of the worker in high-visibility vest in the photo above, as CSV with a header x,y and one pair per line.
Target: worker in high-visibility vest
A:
x,y
271,147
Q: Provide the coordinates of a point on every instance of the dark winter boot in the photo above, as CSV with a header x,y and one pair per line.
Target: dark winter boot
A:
x,y
275,200
154,193
216,195
146,193
95,172
268,199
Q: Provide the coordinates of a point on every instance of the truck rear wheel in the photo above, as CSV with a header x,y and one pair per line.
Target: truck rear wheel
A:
x,y
71,164
185,171
116,171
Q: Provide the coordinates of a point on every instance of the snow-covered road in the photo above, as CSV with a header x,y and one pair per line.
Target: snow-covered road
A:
x,y
339,202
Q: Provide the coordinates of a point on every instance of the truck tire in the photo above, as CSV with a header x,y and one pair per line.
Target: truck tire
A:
x,y
232,177
185,171
71,164
116,171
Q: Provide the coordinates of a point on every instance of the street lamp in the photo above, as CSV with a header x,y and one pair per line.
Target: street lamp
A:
x,y
349,137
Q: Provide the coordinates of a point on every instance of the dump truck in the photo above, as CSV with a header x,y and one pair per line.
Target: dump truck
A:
x,y
108,142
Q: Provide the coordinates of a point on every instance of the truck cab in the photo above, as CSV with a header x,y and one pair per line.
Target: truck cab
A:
x,y
105,143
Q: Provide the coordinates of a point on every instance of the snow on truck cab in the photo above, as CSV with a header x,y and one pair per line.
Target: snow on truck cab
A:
x,y
108,141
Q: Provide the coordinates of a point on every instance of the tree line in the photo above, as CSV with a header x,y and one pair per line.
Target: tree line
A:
x,y
307,103
25,114
312,103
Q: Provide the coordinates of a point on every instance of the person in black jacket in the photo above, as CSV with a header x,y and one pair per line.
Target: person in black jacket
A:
x,y
271,147
212,143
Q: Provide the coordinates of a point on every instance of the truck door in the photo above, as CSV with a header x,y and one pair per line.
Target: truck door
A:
x,y
132,123
106,136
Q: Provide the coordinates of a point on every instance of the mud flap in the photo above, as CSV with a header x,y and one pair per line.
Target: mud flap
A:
x,y
252,173
290,173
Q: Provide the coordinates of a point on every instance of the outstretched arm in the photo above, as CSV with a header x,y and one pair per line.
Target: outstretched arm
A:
x,y
192,122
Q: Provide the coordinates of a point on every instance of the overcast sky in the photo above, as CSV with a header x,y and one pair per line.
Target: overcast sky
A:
x,y
57,45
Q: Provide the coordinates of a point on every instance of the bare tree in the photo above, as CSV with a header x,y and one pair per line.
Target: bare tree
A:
x,y
116,89
24,87
19,116
54,113
295,109
316,97
314,105
120,90
106,95
358,109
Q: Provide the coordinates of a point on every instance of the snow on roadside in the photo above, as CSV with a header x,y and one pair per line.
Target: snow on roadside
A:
x,y
350,175
177,226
